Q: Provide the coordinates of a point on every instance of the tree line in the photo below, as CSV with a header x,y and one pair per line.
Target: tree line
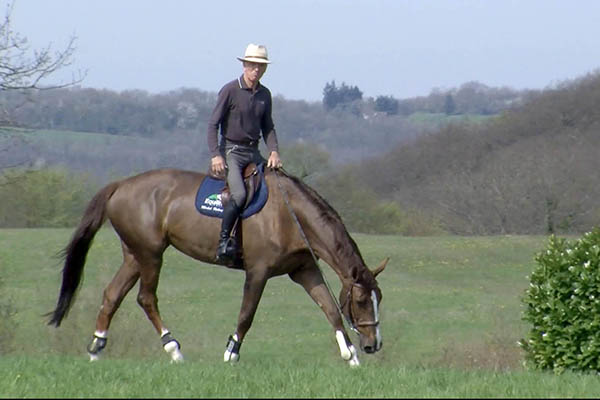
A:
x,y
530,170
522,170
410,166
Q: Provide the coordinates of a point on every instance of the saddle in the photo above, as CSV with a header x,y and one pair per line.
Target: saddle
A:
x,y
251,181
213,193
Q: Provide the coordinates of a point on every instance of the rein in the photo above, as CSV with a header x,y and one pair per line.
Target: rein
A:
x,y
337,304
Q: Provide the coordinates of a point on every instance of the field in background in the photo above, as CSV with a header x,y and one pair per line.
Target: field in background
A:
x,y
451,317
61,138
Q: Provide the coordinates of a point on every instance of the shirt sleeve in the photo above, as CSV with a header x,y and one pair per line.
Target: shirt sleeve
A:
x,y
215,120
268,128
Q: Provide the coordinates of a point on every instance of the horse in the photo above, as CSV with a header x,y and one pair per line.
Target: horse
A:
x,y
295,228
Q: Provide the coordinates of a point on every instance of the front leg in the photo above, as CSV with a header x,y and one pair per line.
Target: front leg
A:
x,y
310,278
253,290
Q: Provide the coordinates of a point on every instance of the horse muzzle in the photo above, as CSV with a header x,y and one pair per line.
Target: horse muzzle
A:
x,y
372,342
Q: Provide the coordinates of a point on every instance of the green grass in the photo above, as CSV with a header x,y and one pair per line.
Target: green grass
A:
x,y
293,377
69,141
451,317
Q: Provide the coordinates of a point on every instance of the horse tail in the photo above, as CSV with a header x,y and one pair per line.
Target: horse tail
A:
x,y
74,254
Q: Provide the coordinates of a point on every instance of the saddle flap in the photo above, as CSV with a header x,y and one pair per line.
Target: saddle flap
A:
x,y
210,197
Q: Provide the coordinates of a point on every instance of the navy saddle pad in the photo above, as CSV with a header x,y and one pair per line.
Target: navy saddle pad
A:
x,y
208,197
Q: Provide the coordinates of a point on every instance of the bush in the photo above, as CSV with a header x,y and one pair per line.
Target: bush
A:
x,y
43,198
363,211
563,306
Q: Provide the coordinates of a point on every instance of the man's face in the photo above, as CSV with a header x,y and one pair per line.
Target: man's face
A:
x,y
254,71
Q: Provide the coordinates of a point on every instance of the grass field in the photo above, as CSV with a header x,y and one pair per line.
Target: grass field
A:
x,y
451,317
62,138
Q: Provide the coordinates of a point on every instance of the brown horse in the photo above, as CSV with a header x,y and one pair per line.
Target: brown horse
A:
x,y
155,209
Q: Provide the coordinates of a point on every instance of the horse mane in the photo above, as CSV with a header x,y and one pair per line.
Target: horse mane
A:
x,y
344,244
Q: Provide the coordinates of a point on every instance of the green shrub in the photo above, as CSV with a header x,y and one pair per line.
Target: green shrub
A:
x,y
563,306
51,197
362,210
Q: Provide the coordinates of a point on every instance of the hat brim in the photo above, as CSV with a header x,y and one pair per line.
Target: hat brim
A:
x,y
254,60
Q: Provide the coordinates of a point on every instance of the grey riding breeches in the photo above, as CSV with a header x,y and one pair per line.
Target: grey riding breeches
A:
x,y
237,158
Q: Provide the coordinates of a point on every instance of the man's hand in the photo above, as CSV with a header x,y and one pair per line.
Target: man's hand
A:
x,y
274,160
217,163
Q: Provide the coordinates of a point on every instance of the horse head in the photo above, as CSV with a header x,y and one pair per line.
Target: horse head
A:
x,y
360,300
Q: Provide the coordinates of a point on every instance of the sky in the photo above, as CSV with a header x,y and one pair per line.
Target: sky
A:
x,y
399,48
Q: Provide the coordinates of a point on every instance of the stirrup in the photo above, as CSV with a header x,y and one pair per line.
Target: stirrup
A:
x,y
226,250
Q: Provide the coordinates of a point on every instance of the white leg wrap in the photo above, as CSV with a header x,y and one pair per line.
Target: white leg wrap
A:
x,y
171,346
229,355
354,360
345,351
101,334
96,346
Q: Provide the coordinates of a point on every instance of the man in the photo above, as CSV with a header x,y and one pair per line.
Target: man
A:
x,y
243,112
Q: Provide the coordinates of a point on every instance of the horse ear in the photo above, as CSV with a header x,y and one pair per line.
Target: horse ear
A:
x,y
381,267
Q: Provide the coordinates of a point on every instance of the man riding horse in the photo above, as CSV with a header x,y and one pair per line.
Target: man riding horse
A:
x,y
242,112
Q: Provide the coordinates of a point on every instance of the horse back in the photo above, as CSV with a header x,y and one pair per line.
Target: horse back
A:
x,y
145,206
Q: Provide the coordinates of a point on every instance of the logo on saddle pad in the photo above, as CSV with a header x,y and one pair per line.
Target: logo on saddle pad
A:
x,y
212,203
208,197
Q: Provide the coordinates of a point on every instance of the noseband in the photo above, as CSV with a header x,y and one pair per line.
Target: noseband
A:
x,y
350,318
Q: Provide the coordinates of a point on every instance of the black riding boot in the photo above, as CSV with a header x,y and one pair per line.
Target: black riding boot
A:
x,y
227,249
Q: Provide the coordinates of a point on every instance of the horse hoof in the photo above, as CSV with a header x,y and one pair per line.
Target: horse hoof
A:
x,y
177,360
176,357
354,363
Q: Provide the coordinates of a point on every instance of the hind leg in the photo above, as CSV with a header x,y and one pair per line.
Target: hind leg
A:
x,y
149,302
310,278
113,295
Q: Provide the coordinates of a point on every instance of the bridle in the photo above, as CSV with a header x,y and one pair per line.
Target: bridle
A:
x,y
348,301
349,318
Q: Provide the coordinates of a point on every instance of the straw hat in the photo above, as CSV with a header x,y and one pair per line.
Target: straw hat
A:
x,y
256,53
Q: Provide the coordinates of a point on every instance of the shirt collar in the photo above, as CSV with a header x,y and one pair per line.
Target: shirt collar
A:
x,y
242,84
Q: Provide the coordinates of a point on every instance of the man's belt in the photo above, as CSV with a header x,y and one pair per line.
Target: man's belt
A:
x,y
248,143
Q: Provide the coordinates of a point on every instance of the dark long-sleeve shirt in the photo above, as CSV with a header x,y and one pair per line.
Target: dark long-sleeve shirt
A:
x,y
242,115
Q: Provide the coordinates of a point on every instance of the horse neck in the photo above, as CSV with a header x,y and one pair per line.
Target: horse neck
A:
x,y
326,233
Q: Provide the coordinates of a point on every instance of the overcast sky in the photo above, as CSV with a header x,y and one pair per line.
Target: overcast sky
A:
x,y
400,48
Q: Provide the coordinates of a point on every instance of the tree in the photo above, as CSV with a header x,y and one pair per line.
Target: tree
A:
x,y
343,96
386,104
449,106
305,160
24,70
21,69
